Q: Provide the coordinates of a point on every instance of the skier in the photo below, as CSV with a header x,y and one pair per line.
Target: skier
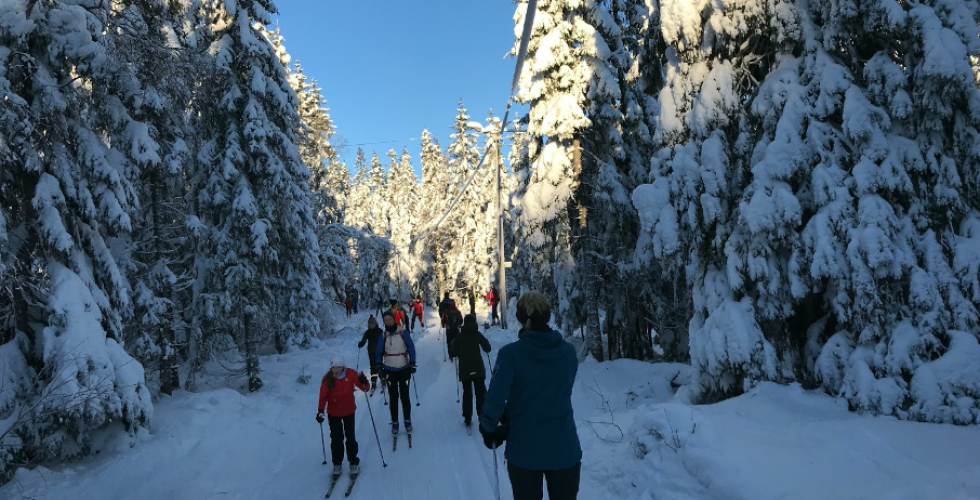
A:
x,y
417,308
396,357
400,317
493,298
353,298
371,337
337,394
472,297
533,379
348,304
444,304
472,373
452,319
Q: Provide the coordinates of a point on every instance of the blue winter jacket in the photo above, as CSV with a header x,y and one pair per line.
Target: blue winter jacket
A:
x,y
533,379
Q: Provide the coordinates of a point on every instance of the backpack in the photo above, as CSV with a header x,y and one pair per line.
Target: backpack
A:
x,y
453,319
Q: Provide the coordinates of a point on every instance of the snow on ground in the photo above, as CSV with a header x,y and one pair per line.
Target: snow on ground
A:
x,y
641,441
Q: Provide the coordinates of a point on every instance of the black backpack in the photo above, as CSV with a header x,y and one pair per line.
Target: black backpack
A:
x,y
453,319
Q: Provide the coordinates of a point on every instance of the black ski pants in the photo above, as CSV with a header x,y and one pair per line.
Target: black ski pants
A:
x,y
562,484
339,428
451,334
421,322
469,387
493,314
398,387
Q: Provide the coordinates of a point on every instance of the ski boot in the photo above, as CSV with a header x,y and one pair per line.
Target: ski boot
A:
x,y
408,426
394,428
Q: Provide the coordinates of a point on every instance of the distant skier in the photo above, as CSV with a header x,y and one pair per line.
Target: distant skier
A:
x,y
337,394
493,298
452,320
354,296
417,309
472,297
472,373
533,379
401,317
349,305
444,304
396,356
371,337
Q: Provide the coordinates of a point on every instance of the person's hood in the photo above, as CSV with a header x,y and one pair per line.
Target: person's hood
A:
x,y
469,328
542,344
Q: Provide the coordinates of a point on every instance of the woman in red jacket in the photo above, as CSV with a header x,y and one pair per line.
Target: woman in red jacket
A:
x,y
337,394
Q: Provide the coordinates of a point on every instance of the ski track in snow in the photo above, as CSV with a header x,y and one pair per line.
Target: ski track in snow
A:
x,y
223,444
775,442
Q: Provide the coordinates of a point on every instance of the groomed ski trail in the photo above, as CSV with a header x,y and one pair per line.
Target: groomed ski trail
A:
x,y
223,444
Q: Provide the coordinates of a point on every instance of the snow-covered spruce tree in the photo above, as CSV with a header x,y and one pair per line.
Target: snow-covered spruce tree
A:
x,y
694,215
257,250
358,213
658,311
404,201
143,124
65,196
891,230
374,198
434,200
554,82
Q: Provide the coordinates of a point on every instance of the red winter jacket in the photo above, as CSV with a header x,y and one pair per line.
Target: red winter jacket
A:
x,y
492,297
417,307
339,400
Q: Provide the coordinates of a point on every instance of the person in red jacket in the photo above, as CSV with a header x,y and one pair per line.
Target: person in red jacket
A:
x,y
493,298
337,395
417,309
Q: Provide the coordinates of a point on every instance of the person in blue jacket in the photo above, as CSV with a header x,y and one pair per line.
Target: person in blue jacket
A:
x,y
395,355
533,382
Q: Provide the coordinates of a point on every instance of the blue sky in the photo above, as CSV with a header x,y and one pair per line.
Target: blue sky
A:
x,y
391,68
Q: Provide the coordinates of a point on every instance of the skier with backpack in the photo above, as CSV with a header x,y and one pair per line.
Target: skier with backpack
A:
x,y
472,374
452,320
396,356
349,305
337,396
370,338
444,304
533,381
417,309
494,299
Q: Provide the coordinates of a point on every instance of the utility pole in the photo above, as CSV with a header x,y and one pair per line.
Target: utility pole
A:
x,y
502,264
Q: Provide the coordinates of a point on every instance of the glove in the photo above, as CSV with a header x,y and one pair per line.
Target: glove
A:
x,y
319,417
362,379
411,368
493,439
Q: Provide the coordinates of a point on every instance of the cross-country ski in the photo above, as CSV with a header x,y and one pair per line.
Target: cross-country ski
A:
x,y
661,249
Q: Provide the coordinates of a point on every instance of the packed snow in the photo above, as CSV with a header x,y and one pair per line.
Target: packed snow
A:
x,y
642,440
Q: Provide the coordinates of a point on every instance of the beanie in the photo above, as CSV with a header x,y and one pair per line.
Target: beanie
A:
x,y
372,321
337,360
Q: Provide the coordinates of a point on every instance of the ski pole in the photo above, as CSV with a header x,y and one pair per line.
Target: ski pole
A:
x,y
490,364
384,384
417,402
496,475
323,445
371,413
456,363
358,367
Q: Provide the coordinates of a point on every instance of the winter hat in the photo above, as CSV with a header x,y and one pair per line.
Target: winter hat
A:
x,y
394,302
533,310
337,360
469,318
372,321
